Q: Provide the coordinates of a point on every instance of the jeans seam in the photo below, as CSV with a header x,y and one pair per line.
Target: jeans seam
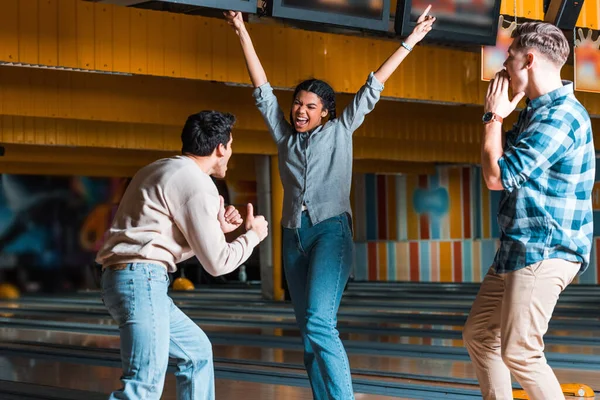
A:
x,y
342,351
154,327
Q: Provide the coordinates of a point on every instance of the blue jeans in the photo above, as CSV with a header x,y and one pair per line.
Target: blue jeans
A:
x,y
317,261
152,328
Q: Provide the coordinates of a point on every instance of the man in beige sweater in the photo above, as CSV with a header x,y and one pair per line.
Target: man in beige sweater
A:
x,y
170,212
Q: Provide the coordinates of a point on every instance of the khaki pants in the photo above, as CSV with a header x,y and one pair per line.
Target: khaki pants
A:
x,y
505,329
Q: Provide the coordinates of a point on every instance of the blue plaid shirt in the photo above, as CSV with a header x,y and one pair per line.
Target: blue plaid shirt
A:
x,y
548,171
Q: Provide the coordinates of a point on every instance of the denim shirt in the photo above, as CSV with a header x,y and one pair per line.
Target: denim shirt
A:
x,y
548,171
316,167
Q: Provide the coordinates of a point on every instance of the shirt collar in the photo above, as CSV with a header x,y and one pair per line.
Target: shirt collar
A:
x,y
545,99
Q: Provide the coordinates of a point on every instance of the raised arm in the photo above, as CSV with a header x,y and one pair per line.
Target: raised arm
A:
x,y
365,99
266,101
424,25
255,68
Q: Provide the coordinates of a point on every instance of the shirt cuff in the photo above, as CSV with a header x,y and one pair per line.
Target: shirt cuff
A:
x,y
508,181
374,83
252,238
263,91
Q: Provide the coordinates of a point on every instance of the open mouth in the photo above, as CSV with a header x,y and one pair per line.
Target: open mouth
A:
x,y
301,122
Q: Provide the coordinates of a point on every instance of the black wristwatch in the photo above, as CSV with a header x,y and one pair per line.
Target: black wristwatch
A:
x,y
490,117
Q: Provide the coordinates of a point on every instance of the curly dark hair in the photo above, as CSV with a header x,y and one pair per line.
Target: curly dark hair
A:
x,y
321,89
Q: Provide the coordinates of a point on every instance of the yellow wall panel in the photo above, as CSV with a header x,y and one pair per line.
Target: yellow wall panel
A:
x,y
48,33
204,49
9,21
404,131
121,36
590,15
188,43
28,32
219,36
138,41
85,35
67,33
128,40
172,44
103,37
156,40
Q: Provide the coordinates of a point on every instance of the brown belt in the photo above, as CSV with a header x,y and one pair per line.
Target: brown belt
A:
x,y
116,267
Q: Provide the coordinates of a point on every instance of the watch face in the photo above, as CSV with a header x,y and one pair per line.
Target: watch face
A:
x,y
487,117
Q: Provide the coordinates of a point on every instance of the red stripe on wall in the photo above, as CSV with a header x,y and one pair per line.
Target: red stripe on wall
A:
x,y
466,189
414,261
423,218
372,255
381,208
457,262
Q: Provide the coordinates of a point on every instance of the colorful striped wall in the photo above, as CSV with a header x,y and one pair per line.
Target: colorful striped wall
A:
x,y
430,228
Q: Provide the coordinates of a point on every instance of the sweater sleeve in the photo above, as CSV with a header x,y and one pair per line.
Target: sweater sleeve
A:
x,y
197,221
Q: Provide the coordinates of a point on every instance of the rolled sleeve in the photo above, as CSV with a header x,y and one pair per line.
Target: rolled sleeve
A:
x,y
538,148
508,180
267,104
374,83
363,103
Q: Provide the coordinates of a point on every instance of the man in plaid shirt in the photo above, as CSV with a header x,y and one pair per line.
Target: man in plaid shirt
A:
x,y
546,169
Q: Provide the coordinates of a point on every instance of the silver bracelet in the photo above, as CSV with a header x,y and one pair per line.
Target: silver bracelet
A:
x,y
407,47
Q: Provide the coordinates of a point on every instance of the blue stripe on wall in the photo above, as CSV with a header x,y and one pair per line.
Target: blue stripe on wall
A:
x,y
488,251
467,254
361,262
371,203
391,258
424,261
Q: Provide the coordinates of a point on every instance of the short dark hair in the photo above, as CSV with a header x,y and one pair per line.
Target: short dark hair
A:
x,y
546,38
321,89
205,131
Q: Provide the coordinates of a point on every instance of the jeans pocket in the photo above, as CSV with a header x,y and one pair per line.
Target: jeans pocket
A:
x,y
120,300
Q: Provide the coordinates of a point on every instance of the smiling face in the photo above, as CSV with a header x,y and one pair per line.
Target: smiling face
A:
x,y
307,111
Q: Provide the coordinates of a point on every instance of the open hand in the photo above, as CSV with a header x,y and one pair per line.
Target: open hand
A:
x,y
229,218
496,99
424,25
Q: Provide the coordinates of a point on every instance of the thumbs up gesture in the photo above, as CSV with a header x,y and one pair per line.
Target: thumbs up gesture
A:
x,y
229,218
257,223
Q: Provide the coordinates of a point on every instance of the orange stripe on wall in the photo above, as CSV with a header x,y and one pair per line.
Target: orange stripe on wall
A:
x,y
454,175
414,261
372,255
392,214
382,257
402,261
445,262
434,261
466,190
457,262
412,218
